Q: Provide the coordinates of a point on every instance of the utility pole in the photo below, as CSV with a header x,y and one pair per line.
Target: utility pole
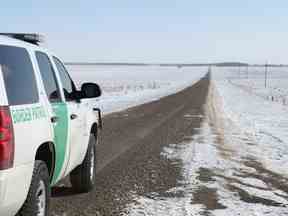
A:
x,y
266,73
239,71
247,71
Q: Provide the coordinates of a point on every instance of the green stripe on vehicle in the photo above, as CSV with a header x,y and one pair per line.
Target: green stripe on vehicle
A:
x,y
60,137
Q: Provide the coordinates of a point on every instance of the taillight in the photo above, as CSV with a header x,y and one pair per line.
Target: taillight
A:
x,y
6,139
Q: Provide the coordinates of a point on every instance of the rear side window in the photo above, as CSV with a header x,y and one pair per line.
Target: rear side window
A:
x,y
67,83
18,75
48,77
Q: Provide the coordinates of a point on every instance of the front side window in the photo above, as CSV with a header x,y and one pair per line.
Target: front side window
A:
x,y
67,83
18,75
48,77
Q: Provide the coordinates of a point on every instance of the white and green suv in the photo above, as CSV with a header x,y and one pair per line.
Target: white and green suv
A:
x,y
48,128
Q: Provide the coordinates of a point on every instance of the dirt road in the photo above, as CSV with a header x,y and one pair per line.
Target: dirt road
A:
x,y
128,159
170,157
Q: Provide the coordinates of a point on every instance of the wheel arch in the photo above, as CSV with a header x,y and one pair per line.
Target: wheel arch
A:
x,y
94,129
46,153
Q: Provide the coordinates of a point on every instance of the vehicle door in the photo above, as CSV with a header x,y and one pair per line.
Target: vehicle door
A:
x,y
58,114
76,117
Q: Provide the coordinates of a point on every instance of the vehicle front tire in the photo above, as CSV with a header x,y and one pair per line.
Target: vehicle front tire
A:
x,y
37,201
82,177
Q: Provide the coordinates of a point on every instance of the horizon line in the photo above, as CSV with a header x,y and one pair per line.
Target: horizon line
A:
x,y
219,64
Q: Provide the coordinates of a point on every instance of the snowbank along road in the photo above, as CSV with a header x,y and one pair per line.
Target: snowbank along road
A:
x,y
177,156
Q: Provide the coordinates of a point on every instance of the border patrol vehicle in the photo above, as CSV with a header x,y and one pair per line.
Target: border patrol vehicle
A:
x,y
48,128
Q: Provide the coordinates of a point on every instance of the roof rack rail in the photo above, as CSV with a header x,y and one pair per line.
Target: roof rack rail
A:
x,y
27,37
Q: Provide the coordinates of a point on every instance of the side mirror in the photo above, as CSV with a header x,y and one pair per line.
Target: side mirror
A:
x,y
90,90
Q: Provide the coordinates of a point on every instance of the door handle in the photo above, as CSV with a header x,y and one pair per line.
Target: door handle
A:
x,y
54,119
73,116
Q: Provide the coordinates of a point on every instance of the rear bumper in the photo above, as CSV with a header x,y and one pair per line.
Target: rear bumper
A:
x,y
14,186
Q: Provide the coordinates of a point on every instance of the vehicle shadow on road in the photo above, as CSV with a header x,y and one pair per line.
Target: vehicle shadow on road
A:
x,y
62,191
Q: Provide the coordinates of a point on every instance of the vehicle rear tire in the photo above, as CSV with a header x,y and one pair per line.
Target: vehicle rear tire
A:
x,y
83,176
37,201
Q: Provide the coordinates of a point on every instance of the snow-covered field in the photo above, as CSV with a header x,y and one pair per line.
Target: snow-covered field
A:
x,y
264,121
126,86
252,79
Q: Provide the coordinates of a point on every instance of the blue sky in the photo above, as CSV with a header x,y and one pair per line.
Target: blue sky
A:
x,y
154,31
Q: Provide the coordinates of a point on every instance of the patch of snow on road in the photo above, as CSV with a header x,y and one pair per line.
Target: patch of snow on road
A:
x,y
174,206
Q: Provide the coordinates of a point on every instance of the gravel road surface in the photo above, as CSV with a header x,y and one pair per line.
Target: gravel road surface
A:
x,y
172,157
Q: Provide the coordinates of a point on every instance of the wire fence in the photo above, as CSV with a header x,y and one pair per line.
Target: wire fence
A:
x,y
267,82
